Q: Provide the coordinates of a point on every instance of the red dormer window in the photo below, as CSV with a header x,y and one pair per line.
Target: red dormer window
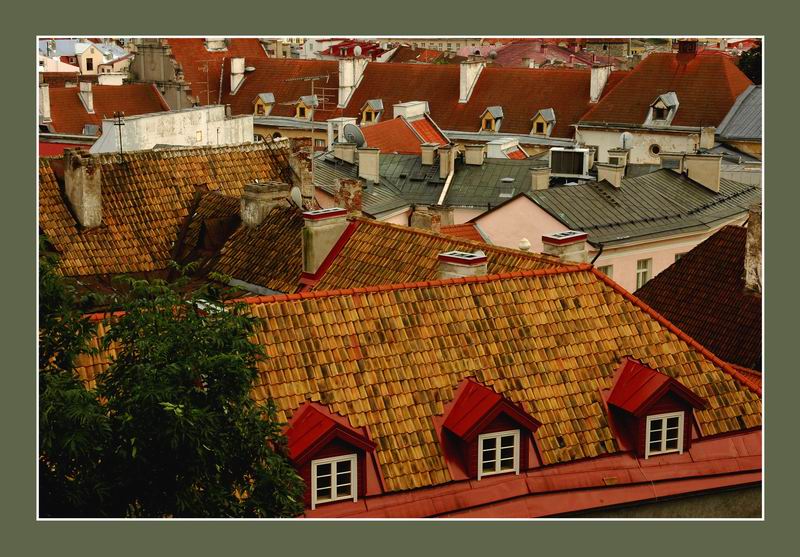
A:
x,y
486,434
652,411
335,460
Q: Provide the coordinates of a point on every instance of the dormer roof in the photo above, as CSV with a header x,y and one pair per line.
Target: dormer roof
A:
x,y
266,98
495,111
311,429
638,386
548,114
669,100
375,105
310,101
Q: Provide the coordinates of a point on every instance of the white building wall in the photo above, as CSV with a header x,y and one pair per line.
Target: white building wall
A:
x,y
200,126
642,140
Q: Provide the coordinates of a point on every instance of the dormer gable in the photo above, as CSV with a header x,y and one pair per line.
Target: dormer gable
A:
x,y
487,434
305,107
662,110
653,411
263,103
371,112
543,122
491,119
336,460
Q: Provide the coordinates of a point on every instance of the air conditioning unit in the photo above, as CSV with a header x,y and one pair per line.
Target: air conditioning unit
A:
x,y
569,163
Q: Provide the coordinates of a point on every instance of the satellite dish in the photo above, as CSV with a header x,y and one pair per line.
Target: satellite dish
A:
x,y
296,197
357,51
352,134
626,139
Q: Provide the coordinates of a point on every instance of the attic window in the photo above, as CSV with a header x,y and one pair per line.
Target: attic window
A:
x,y
260,109
301,111
488,124
498,453
369,116
539,127
664,434
334,479
659,113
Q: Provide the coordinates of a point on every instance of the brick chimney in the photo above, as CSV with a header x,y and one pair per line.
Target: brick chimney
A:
x,y
470,71
474,153
85,94
345,152
237,73
348,195
598,81
569,246
752,251
321,230
44,102
445,213
611,173
425,219
540,178
83,187
457,264
428,153
369,164
447,161
704,169
258,199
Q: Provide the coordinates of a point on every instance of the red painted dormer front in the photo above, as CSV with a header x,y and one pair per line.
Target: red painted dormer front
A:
x,y
316,436
653,411
478,418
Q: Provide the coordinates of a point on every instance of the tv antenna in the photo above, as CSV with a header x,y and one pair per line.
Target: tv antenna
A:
x,y
119,121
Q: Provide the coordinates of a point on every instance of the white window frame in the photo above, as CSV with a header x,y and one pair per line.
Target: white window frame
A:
x,y
498,436
333,461
648,271
663,419
607,270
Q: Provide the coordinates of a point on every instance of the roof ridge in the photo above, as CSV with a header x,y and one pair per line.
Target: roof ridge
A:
x,y
725,366
270,298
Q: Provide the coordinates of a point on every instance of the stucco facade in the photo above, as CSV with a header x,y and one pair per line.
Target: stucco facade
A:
x,y
642,144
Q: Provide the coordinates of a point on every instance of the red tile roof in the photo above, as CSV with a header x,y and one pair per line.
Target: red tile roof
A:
x,y
69,115
193,57
638,386
516,154
428,131
477,404
393,136
703,293
467,231
707,85
311,428
48,149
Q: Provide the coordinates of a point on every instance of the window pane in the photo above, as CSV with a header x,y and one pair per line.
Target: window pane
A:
x,y
324,469
655,436
489,443
672,422
507,452
672,444
323,481
655,424
343,490
343,478
488,466
655,447
672,433
323,494
507,441
507,464
343,466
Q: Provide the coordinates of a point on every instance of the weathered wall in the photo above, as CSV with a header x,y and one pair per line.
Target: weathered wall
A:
x,y
642,140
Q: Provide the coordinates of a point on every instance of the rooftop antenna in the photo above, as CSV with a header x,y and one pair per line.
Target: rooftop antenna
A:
x,y
119,121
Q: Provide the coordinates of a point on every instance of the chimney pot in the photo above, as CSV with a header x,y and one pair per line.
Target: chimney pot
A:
x,y
611,173
447,161
258,199
540,178
525,244
474,153
83,187
459,264
369,164
322,229
569,246
428,153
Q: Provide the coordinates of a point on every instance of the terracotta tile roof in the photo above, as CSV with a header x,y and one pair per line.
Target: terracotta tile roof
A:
x,y
516,154
548,341
145,200
383,253
428,131
270,256
707,85
193,57
69,115
60,79
467,231
407,54
393,136
703,294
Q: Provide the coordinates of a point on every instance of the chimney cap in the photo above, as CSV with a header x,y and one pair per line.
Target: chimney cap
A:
x,y
463,257
320,214
565,237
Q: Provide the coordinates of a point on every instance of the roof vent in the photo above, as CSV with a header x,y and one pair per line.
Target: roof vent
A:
x,y
507,180
459,264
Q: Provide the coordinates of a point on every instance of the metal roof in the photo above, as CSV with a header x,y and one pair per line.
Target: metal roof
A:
x,y
548,114
495,111
267,98
743,120
662,203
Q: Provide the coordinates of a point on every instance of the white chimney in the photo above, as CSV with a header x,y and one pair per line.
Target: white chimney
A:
x,y
704,169
114,79
259,199
237,73
470,72
458,264
351,70
540,178
410,110
321,230
44,102
707,137
447,161
85,94
428,153
369,166
474,153
345,152
598,81
752,253
83,187
336,128
611,173
569,246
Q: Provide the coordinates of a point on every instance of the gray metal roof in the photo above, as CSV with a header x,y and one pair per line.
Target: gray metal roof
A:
x,y
310,100
670,99
267,98
495,111
375,104
662,203
548,114
743,120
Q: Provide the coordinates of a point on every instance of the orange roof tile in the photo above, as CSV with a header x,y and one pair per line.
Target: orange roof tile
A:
x,y
466,231
393,136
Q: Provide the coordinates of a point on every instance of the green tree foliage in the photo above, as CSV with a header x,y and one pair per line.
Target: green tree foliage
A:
x,y
177,433
750,64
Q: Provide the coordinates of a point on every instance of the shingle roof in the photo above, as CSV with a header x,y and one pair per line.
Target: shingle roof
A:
x,y
660,203
743,121
145,200
69,115
389,359
383,253
706,84
703,293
